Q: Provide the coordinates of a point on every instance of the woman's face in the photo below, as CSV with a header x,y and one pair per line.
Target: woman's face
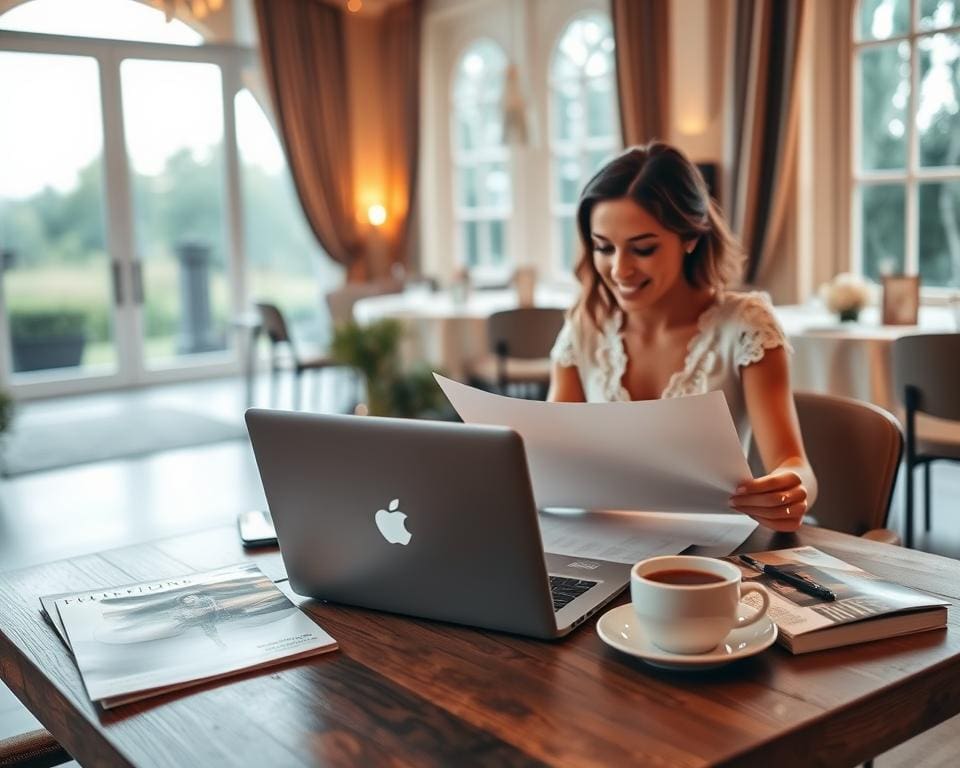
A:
x,y
637,258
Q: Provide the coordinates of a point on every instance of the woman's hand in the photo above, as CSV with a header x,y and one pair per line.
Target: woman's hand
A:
x,y
777,501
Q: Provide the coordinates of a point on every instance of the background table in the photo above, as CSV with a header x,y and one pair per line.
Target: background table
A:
x,y
411,692
851,359
450,334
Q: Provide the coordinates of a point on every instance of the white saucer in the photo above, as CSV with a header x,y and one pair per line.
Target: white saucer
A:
x,y
621,629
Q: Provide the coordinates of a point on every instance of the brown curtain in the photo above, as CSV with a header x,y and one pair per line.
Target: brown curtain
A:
x,y
400,45
641,34
765,95
302,44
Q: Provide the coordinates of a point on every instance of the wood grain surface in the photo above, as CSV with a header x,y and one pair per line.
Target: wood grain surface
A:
x,y
403,691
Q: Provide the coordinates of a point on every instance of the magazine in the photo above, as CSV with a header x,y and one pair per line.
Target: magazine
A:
x,y
141,640
866,608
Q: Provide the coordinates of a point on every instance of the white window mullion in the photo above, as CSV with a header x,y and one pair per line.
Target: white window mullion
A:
x,y
235,236
910,230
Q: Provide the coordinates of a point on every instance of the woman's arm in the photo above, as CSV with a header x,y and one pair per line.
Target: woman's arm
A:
x,y
565,385
779,499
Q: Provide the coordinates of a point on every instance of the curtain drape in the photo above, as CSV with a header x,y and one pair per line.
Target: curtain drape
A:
x,y
400,45
641,35
762,155
302,46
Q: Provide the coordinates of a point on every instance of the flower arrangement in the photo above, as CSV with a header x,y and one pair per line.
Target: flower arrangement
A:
x,y
846,294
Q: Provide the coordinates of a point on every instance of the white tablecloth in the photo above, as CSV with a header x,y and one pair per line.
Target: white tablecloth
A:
x,y
856,359
851,359
446,333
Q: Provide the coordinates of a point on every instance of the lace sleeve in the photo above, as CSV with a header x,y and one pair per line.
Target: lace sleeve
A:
x,y
564,350
759,330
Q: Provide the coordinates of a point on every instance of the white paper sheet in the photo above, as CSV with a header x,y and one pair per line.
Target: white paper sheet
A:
x,y
628,537
672,455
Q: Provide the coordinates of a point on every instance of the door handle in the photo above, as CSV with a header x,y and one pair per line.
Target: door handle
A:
x,y
138,282
116,274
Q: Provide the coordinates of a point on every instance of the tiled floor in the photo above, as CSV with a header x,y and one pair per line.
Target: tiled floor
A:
x,y
67,512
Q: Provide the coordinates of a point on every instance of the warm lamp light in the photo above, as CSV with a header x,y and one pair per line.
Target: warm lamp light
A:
x,y
376,214
354,5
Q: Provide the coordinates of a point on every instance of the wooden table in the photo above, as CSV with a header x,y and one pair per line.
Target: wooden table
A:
x,y
407,692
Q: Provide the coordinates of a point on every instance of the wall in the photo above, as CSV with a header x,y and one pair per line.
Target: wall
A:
x,y
698,31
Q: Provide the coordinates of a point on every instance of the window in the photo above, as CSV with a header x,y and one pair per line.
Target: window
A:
x,y
584,123
907,139
482,204
285,264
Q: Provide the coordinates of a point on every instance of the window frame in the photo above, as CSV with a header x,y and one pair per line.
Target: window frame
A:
x,y
460,159
913,175
580,147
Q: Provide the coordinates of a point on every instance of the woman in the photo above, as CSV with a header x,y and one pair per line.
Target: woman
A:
x,y
654,319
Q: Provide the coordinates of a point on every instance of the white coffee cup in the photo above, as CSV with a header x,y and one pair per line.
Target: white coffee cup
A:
x,y
691,618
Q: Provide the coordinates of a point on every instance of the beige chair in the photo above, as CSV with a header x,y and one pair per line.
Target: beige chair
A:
x,y
275,326
36,749
340,301
520,342
926,372
854,449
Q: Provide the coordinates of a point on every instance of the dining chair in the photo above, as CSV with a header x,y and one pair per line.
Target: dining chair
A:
x,y
35,749
520,341
854,449
340,301
926,374
275,327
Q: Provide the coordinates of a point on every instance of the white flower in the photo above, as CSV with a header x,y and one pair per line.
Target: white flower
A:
x,y
845,292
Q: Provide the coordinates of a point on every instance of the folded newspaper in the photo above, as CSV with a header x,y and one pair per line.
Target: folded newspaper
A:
x,y
866,608
140,640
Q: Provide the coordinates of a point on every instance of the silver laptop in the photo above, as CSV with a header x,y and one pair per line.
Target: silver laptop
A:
x,y
423,518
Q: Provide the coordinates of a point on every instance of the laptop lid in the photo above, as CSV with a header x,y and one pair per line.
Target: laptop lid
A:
x,y
425,518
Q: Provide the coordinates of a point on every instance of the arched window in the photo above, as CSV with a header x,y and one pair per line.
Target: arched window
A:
x,y
482,203
906,166
584,127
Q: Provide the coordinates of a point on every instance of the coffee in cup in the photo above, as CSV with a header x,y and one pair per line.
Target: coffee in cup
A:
x,y
688,604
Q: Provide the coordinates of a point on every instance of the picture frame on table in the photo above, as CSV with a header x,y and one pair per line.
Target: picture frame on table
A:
x,y
901,299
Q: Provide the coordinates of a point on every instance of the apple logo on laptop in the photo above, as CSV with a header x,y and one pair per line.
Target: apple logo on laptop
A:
x,y
391,524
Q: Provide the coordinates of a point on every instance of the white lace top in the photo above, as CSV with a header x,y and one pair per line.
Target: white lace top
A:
x,y
733,332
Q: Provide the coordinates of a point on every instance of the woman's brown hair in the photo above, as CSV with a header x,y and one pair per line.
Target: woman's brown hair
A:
x,y
663,181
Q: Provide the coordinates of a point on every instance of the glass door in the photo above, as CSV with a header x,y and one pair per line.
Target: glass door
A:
x,y
174,132
57,281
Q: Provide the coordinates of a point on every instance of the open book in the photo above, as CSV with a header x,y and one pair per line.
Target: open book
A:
x,y
866,608
145,639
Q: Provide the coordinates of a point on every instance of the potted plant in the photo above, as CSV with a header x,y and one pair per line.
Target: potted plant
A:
x,y
6,412
6,419
42,338
374,350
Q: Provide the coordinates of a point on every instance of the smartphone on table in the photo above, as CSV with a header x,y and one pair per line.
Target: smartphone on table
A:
x,y
256,528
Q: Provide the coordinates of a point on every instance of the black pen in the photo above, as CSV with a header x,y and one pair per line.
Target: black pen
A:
x,y
805,585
